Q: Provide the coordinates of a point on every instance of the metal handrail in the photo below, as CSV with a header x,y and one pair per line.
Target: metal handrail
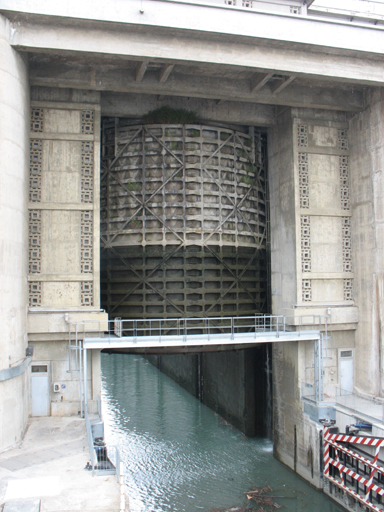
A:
x,y
183,327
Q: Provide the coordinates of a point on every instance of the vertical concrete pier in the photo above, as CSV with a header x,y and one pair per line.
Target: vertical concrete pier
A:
x,y
14,151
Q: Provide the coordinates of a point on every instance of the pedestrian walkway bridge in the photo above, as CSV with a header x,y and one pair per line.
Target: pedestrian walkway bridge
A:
x,y
189,333
177,335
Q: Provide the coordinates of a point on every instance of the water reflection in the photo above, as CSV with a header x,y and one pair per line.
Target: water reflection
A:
x,y
179,455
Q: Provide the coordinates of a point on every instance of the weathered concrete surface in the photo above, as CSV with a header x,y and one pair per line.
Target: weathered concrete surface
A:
x,y
14,150
312,268
232,86
182,368
367,200
49,466
296,438
232,383
64,221
229,112
221,35
282,213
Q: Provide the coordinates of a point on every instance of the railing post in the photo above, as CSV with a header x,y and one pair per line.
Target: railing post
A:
x,y
81,381
232,328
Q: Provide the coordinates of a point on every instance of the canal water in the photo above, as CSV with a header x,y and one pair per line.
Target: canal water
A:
x,y
179,456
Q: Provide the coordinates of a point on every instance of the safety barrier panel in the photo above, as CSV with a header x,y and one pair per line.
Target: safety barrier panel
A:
x,y
341,464
105,460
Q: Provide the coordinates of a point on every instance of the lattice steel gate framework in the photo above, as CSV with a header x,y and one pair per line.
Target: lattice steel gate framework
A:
x,y
183,221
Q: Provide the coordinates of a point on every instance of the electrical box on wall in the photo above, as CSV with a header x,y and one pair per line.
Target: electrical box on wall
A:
x,y
56,387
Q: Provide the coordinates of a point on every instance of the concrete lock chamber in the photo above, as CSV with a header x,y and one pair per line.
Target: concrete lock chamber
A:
x,y
183,221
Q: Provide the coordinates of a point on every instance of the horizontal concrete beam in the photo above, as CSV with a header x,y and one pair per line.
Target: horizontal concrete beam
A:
x,y
229,112
184,47
116,79
283,28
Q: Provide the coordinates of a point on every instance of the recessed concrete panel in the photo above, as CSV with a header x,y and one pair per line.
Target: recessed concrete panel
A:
x,y
61,294
62,121
324,181
327,290
61,242
61,163
326,244
323,136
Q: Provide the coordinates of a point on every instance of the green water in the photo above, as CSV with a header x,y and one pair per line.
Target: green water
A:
x,y
179,456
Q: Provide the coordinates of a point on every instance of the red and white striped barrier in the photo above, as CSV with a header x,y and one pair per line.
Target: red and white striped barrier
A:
x,y
334,440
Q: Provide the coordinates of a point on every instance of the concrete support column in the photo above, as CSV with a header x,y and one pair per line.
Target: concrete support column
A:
x,y
367,202
282,213
311,268
65,215
14,150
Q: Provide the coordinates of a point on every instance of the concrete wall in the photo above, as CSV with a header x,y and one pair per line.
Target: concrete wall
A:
x,y
367,203
14,150
282,213
64,222
182,368
55,356
312,268
232,383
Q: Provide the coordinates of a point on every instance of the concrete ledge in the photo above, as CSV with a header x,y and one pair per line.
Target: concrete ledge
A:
x,y
43,320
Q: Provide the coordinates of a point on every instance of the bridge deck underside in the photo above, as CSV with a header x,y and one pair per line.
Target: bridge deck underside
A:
x,y
218,341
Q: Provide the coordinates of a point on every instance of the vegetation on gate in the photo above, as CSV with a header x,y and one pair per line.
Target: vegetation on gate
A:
x,y
168,115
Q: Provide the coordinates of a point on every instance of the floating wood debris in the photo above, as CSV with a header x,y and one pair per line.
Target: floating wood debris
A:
x,y
266,502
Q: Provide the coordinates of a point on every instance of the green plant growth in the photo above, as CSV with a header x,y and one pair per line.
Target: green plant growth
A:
x,y
132,186
248,143
248,180
168,115
134,224
242,153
